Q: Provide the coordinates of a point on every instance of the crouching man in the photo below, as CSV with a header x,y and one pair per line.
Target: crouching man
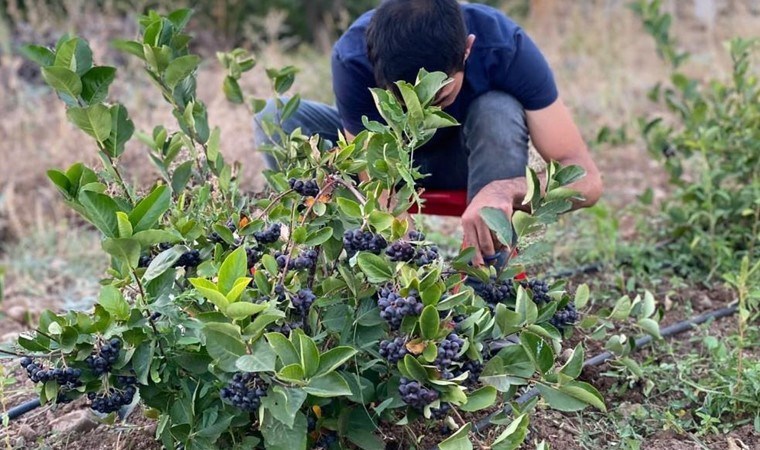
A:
x,y
503,93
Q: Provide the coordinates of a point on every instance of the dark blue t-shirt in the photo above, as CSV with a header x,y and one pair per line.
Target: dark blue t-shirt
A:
x,y
503,58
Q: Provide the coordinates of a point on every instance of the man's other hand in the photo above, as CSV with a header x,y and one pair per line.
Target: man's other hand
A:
x,y
497,194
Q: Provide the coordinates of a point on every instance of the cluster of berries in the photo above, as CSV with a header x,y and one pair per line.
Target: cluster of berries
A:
x,y
244,391
303,301
448,350
363,241
413,250
68,377
393,349
114,399
253,255
539,289
416,395
307,188
269,235
401,251
496,291
475,368
102,359
191,258
565,317
286,328
426,255
305,260
394,307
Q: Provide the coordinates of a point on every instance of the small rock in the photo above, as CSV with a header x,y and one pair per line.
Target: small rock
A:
x,y
79,421
705,302
17,313
27,432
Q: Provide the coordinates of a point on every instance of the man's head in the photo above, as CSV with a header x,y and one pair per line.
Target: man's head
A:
x,y
405,36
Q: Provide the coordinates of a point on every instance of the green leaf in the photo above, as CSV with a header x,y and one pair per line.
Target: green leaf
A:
x,y
150,209
651,327
141,361
152,237
101,212
235,266
430,321
38,54
132,47
95,83
513,435
574,365
499,223
112,301
280,436
241,284
309,355
225,344
480,399
540,353
318,237
381,221
122,129
180,17
62,182
559,400
569,174
125,228
329,385
162,262
64,81
283,403
428,85
459,440
125,249
412,103
581,296
585,393
292,373
350,207
524,223
415,369
211,292
261,359
533,192
74,54
232,90
334,358
180,68
285,349
376,268
94,120
181,176
525,306
244,310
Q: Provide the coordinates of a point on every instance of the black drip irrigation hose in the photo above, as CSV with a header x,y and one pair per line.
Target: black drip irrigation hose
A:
x,y
669,331
18,411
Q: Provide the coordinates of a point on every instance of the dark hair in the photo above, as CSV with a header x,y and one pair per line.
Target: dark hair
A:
x,y
405,36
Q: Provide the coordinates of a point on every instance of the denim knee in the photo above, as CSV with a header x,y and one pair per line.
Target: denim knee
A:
x,y
495,137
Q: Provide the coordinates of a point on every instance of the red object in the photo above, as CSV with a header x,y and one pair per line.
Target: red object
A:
x,y
450,203
442,203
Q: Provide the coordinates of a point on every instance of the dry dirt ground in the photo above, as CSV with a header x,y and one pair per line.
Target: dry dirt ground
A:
x,y
604,64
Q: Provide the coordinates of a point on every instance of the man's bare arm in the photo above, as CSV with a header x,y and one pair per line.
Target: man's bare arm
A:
x,y
557,138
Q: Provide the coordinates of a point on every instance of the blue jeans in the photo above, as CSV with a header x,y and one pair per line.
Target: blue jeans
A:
x,y
491,144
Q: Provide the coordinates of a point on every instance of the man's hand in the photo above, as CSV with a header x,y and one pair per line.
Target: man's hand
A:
x,y
497,194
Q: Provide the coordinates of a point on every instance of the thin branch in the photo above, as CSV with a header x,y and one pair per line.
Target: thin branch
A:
x,y
358,195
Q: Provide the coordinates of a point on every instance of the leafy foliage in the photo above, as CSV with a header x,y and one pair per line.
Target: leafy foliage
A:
x,y
710,146
246,322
